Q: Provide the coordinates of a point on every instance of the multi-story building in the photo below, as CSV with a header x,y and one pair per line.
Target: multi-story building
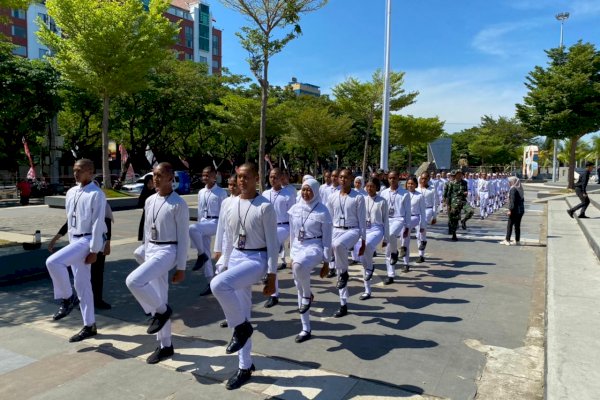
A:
x,y
305,89
198,39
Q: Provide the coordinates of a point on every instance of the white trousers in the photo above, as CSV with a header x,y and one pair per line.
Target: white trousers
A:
x,y
374,237
283,234
414,223
396,231
149,283
233,290
200,235
483,204
343,241
74,255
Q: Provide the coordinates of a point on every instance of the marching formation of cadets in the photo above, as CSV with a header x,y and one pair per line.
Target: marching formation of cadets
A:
x,y
322,223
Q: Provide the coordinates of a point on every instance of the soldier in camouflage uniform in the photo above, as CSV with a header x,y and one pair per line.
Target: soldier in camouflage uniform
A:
x,y
455,198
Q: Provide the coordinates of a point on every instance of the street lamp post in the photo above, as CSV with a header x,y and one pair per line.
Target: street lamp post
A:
x,y
562,17
385,126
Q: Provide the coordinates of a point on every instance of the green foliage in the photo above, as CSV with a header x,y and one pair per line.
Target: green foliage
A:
x,y
410,131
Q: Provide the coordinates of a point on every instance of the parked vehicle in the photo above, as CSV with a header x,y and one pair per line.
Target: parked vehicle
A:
x,y
181,183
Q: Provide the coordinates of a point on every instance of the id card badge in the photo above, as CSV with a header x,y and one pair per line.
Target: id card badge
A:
x,y
154,233
73,220
391,212
205,213
242,239
368,224
301,234
342,221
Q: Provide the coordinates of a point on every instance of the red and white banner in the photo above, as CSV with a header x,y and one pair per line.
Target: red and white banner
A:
x,y
31,172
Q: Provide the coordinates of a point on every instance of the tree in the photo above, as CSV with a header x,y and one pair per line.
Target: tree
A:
x,y
362,101
108,47
564,98
266,18
409,131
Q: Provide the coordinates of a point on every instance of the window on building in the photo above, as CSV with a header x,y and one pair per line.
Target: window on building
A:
x,y
20,51
42,53
215,45
215,64
18,13
203,60
189,36
204,33
19,31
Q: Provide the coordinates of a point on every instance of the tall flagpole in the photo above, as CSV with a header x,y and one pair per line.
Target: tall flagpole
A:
x,y
385,127
562,17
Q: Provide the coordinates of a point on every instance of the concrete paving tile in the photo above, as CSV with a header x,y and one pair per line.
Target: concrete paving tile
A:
x,y
10,361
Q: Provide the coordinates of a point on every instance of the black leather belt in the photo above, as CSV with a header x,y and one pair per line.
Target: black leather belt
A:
x,y
316,237
82,235
415,215
261,249
156,242
345,227
283,223
211,217
430,208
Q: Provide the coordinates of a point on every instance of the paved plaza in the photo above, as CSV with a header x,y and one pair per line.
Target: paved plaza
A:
x,y
468,323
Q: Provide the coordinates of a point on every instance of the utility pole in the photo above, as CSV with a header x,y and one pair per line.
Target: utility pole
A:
x,y
562,17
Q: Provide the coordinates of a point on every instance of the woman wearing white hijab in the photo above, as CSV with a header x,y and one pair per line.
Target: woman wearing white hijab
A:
x,y
310,238
516,209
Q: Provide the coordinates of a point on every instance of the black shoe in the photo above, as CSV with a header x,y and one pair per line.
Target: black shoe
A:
x,y
224,324
393,257
481,218
423,245
102,305
159,320
463,224
570,212
241,334
343,311
84,333
332,273
402,251
388,281
66,307
239,378
405,268
273,301
342,280
369,274
282,266
420,260
206,291
365,296
302,338
374,254
160,354
583,216
305,307
454,238
200,261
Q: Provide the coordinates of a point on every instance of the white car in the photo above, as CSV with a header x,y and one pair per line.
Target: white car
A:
x,y
139,184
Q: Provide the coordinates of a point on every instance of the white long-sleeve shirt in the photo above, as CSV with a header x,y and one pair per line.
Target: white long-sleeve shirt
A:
x,y
378,214
257,217
431,199
348,211
483,185
86,207
282,201
399,201
219,236
417,207
209,201
171,217
315,220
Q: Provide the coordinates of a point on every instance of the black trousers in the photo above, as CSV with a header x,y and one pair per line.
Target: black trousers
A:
x,y
514,220
585,201
98,277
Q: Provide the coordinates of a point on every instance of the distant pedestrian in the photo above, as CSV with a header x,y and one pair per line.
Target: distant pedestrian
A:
x,y
581,191
516,209
24,188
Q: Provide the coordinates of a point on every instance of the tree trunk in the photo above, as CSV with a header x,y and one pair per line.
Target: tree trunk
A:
x,y
105,167
365,152
409,159
316,159
572,156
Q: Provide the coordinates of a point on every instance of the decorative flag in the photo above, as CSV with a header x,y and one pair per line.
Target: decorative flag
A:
x,y
31,172
124,155
130,173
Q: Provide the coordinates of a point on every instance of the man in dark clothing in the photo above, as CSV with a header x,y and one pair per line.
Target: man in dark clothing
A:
x,y
581,191
455,198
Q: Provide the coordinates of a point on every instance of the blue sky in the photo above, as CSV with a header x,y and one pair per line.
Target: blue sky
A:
x,y
467,58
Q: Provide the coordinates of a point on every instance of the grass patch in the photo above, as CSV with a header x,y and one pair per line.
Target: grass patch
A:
x,y
6,243
113,194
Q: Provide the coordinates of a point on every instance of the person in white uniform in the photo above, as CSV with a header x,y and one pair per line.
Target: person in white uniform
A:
x,y
310,238
334,189
166,242
377,226
483,195
359,187
251,233
282,200
431,208
418,220
347,209
399,218
209,207
85,206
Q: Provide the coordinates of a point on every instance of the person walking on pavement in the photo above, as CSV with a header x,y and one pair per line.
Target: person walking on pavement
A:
x,y
378,230
209,206
418,218
282,200
516,209
252,251
581,191
455,198
431,208
310,238
348,212
85,207
24,188
166,243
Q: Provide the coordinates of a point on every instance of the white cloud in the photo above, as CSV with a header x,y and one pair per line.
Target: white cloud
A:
x,y
505,39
